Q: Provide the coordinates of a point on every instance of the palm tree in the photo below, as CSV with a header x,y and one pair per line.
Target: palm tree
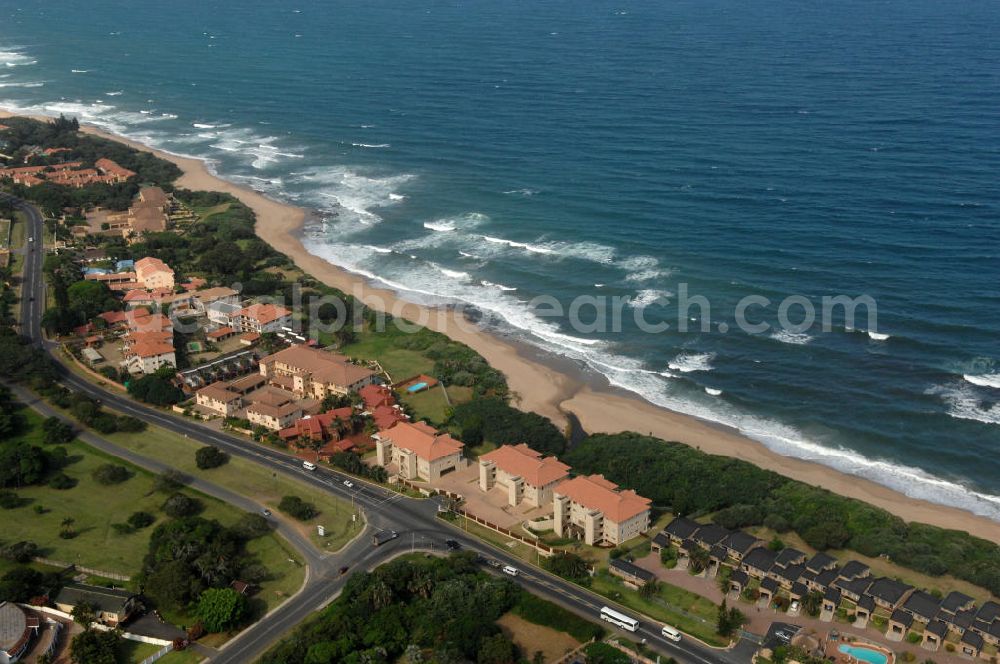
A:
x,y
698,559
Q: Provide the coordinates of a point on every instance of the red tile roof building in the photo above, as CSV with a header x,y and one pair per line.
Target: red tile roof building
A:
x,y
595,510
154,273
523,473
419,451
311,429
261,318
313,372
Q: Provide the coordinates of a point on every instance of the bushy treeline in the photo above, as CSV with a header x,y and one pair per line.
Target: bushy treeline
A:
x,y
687,481
495,421
429,609
190,554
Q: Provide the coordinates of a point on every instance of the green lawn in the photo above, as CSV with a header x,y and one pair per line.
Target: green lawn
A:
x,y
4,230
180,657
94,507
671,605
18,232
249,479
401,363
431,404
133,652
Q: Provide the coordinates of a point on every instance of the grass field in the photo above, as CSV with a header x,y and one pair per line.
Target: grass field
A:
x,y
401,363
531,638
5,228
94,507
432,404
671,605
249,479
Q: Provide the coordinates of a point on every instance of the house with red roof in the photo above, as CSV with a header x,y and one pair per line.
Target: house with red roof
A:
x,y
261,318
418,451
312,429
593,509
523,473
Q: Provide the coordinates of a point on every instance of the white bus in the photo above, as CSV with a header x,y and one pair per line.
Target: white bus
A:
x,y
620,619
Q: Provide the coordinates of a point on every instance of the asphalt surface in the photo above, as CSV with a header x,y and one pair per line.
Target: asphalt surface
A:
x,y
416,521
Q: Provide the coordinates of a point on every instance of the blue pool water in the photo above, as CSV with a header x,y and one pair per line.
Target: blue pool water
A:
x,y
863,654
417,387
491,152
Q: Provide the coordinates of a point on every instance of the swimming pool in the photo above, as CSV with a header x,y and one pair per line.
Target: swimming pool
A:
x,y
416,388
863,653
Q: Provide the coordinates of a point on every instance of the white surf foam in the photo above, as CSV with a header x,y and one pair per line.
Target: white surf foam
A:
x,y
357,194
650,296
535,249
688,362
522,192
794,338
984,380
448,224
965,404
371,145
490,284
878,336
711,391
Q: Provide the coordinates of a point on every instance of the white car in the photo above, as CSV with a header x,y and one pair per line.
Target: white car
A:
x,y
793,607
512,571
349,484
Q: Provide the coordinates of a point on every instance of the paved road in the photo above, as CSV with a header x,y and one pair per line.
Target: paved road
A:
x,y
415,520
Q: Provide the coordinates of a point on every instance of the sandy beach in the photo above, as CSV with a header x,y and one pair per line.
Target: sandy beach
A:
x,y
546,386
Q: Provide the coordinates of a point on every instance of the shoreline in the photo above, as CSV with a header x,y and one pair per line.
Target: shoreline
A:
x,y
550,385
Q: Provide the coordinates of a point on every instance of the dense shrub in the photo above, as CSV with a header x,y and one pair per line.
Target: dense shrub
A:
x,y
179,505
298,508
62,482
140,520
494,421
110,473
687,481
210,456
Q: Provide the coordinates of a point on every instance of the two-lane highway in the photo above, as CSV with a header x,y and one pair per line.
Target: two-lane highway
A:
x,y
383,509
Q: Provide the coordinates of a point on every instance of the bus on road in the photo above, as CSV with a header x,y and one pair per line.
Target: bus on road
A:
x,y
610,615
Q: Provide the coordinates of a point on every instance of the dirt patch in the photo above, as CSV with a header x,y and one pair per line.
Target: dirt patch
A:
x,y
531,638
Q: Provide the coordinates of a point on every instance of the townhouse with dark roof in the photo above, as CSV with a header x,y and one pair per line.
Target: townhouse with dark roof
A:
x,y
739,543
899,624
934,635
758,562
889,593
788,557
922,605
821,562
680,529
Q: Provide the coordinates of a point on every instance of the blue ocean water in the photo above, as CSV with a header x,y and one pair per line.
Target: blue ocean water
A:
x,y
494,152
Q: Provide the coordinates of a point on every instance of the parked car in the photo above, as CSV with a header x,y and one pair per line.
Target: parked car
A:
x,y
266,512
453,545
343,570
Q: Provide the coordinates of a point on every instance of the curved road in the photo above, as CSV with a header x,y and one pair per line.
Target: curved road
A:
x,y
416,521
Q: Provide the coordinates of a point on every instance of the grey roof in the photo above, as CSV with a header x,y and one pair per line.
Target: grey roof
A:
x,y
853,569
853,586
973,639
820,562
789,556
762,559
981,626
902,617
832,595
630,569
739,576
682,528
711,534
790,573
661,539
888,590
719,552
989,611
740,542
780,634
769,584
827,577
110,600
866,603
994,629
799,589
937,628
955,601
922,604
961,619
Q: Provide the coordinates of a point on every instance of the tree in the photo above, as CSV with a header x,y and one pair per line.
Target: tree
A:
x,y
110,473
496,649
698,559
84,614
169,481
569,566
94,647
210,456
155,389
221,609
140,520
602,653
728,620
812,603
56,431
649,589
179,505
21,584
20,552
298,508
